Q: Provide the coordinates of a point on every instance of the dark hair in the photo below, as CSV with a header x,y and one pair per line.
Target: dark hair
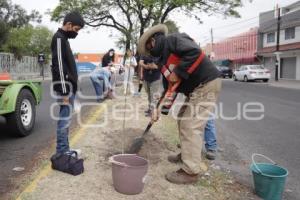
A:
x,y
113,56
75,18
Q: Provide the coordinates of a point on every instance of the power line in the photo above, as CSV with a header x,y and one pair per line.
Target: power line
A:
x,y
224,26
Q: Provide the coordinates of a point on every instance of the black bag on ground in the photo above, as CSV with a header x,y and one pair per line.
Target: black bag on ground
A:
x,y
68,163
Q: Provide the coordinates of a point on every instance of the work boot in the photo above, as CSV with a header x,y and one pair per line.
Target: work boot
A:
x,y
111,95
175,158
181,177
211,154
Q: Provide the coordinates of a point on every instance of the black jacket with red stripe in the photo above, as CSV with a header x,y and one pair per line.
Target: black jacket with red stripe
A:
x,y
184,47
64,71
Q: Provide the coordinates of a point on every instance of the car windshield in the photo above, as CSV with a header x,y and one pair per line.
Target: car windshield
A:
x,y
256,67
222,67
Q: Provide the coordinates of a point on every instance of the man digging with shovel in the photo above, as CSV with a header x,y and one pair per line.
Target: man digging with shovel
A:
x,y
186,70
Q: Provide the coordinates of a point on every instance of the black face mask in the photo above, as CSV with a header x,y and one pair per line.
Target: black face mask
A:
x,y
72,34
157,50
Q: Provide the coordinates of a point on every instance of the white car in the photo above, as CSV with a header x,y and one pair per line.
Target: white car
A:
x,y
252,72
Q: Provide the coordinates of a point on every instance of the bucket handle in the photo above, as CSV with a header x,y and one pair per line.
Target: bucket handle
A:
x,y
254,163
111,160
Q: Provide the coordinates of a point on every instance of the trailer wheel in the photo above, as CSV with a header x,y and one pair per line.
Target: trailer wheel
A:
x,y
21,122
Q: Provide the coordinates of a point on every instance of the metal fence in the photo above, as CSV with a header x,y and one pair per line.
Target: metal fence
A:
x,y
25,68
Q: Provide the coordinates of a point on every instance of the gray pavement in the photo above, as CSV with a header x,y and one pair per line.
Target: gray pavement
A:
x,y
277,135
290,84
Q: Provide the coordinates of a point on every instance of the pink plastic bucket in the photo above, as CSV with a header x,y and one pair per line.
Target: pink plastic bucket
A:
x,y
128,173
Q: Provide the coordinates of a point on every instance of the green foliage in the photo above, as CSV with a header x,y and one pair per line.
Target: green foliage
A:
x,y
172,26
18,41
40,41
29,41
14,16
128,16
4,32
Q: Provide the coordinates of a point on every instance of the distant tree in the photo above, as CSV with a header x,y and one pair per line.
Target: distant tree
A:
x,y
40,41
172,26
14,16
28,41
121,42
122,14
18,41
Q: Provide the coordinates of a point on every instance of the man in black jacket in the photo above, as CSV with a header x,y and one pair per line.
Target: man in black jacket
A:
x,y
186,68
64,76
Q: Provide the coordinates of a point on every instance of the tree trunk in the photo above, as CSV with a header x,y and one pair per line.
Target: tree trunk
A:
x,y
128,42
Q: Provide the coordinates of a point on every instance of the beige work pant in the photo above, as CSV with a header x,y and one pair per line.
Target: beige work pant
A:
x,y
192,119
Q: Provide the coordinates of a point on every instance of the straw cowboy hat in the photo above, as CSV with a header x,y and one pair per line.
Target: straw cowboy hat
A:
x,y
160,28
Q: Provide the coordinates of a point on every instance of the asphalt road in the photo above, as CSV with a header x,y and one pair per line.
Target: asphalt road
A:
x,y
277,135
24,152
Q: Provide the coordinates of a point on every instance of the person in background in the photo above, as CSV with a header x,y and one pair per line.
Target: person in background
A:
x,y
108,62
140,74
210,139
100,79
152,80
129,63
109,58
65,78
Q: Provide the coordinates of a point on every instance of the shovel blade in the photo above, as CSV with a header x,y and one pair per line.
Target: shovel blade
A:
x,y
136,145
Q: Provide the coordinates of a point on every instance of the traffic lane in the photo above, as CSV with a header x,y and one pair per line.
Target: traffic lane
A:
x,y
276,135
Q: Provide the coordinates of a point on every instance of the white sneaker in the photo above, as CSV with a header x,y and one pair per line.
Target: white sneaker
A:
x,y
71,152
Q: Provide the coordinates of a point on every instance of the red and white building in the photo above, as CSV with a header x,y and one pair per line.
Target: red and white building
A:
x,y
236,50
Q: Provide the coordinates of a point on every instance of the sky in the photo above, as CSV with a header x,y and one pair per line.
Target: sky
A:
x,y
99,41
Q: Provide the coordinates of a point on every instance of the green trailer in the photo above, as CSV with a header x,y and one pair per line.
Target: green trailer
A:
x,y
18,101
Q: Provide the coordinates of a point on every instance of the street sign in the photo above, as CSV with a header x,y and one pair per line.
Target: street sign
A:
x,y
41,58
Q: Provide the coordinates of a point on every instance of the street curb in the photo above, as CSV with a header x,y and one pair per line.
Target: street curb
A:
x,y
46,170
282,86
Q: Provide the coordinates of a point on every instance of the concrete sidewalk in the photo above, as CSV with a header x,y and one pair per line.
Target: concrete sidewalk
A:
x,y
98,143
289,84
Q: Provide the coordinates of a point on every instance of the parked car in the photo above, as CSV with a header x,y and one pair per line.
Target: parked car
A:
x,y
252,72
225,71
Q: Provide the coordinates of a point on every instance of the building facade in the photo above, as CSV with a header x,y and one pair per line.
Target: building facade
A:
x,y
236,50
289,42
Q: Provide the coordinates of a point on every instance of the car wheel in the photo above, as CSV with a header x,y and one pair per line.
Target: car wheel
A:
x,y
246,79
265,80
21,122
234,78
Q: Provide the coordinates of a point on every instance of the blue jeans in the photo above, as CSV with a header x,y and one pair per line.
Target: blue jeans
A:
x,y
99,87
101,83
210,135
63,124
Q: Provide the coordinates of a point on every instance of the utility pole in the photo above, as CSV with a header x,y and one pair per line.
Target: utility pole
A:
x,y
212,43
277,45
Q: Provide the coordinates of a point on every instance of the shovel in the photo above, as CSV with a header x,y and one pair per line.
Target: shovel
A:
x,y
138,142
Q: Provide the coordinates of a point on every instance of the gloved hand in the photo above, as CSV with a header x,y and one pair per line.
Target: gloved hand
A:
x,y
65,100
174,78
155,115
